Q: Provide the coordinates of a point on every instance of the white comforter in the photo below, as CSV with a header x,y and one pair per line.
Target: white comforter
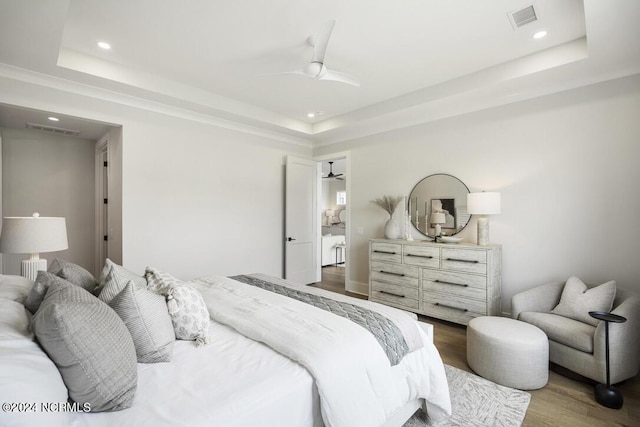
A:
x,y
356,383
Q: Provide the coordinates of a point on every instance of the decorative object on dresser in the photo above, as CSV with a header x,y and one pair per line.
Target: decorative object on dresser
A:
x,y
32,235
435,279
439,193
329,213
389,204
483,204
437,219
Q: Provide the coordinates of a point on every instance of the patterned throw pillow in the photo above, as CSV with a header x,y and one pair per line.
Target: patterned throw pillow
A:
x,y
90,345
157,280
73,273
188,310
577,301
145,315
189,314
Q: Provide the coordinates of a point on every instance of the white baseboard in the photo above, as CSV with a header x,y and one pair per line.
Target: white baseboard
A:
x,y
357,287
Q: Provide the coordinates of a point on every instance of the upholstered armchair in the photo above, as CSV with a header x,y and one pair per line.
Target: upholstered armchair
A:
x,y
578,346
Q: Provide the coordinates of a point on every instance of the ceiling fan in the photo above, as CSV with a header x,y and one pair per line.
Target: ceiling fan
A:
x,y
316,69
333,175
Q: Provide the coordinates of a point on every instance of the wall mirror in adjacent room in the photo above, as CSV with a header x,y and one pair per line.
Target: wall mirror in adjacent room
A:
x,y
439,193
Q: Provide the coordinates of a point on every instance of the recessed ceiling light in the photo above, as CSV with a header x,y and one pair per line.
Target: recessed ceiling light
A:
x,y
311,115
540,34
104,45
53,119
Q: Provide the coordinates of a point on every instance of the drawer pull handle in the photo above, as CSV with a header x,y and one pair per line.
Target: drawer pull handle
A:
x,y
450,306
451,283
463,260
420,256
391,293
391,272
385,252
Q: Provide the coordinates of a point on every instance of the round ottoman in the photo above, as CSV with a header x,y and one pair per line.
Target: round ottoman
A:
x,y
508,352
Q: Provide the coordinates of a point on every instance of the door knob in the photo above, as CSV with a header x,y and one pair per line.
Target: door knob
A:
x,y
290,239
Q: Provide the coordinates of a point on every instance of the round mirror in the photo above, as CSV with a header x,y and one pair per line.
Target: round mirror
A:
x,y
443,194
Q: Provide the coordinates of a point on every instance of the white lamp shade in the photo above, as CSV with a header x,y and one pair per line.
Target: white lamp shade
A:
x,y
31,235
485,203
330,213
438,218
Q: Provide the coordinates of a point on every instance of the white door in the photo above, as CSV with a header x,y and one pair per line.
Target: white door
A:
x,y
301,221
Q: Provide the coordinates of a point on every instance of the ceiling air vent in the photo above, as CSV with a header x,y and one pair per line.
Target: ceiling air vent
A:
x,y
522,17
53,129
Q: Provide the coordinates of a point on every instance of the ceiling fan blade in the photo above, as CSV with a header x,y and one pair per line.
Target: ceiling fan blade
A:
x,y
299,71
320,41
337,76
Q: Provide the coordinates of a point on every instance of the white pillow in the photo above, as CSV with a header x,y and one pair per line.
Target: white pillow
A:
x,y
577,300
15,288
27,375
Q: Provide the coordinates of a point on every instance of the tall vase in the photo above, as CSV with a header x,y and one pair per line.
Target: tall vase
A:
x,y
392,229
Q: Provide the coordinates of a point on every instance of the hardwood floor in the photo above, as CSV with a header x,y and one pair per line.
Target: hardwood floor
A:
x,y
565,401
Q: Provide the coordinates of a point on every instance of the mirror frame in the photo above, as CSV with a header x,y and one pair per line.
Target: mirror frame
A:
x,y
440,195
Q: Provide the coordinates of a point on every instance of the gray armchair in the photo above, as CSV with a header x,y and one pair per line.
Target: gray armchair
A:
x,y
578,346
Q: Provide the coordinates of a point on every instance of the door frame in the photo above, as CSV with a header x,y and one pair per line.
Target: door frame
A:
x,y
346,155
101,187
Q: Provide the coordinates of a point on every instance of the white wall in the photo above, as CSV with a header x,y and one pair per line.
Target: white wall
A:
x,y
568,167
196,198
54,176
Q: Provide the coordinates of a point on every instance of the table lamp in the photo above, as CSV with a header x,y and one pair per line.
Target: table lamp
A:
x,y
32,235
329,213
437,218
483,204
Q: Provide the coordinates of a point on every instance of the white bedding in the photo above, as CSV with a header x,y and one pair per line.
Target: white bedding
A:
x,y
233,381
357,384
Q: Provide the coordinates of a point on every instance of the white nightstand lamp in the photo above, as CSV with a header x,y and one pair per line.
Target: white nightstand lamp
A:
x,y
485,203
33,235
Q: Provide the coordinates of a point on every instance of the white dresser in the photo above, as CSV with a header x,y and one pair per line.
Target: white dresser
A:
x,y
454,282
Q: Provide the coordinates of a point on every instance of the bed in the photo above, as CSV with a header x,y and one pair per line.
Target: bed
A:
x,y
252,372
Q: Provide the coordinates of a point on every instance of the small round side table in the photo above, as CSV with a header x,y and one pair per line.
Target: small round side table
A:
x,y
606,394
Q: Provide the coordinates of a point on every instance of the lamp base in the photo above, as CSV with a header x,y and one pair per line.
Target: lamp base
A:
x,y
483,231
29,268
608,395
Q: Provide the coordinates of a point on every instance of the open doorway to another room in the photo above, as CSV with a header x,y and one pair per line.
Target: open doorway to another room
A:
x,y
333,212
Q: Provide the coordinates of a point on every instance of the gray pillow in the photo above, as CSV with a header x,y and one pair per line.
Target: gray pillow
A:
x,y
113,272
73,273
145,314
90,345
39,290
577,300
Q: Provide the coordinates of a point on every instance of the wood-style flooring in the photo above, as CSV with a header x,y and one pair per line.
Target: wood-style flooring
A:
x,y
567,400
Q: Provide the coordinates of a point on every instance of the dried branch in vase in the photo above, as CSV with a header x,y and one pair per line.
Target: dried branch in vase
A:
x,y
388,203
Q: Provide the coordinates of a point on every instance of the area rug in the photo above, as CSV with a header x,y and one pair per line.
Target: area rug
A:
x,y
479,403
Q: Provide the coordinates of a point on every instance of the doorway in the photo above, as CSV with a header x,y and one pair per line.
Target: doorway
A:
x,y
334,213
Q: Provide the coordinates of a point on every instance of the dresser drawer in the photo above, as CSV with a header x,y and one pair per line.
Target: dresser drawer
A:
x,y
423,256
397,290
449,314
403,275
465,285
456,302
389,252
409,304
470,261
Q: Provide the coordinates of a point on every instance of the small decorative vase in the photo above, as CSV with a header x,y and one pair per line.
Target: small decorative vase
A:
x,y
392,229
